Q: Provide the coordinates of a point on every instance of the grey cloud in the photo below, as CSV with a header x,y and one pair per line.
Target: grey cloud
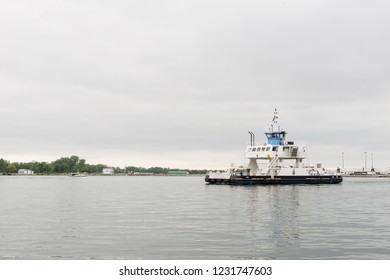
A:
x,y
111,80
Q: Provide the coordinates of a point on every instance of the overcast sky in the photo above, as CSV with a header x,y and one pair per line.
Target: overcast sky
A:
x,y
180,83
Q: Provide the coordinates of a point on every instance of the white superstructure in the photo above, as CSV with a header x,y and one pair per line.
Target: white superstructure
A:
x,y
278,156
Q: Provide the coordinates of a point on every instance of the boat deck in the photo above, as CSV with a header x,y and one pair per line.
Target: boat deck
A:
x,y
267,180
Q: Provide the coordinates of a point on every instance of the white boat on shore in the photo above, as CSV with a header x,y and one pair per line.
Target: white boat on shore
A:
x,y
78,175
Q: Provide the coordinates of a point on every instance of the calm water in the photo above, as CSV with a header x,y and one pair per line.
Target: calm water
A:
x,y
182,218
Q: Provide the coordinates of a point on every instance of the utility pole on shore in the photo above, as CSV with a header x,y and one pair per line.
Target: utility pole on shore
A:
x,y
365,161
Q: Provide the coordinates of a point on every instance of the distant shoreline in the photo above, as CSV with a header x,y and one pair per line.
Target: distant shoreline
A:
x,y
73,164
103,175
367,176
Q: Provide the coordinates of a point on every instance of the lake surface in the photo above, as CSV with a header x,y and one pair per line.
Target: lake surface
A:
x,y
183,218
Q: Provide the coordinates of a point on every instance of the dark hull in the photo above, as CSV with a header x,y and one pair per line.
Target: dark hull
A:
x,y
282,180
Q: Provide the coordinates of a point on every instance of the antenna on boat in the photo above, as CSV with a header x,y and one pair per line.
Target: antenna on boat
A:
x,y
275,134
275,119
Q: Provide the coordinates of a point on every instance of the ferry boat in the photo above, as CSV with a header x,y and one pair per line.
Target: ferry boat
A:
x,y
276,162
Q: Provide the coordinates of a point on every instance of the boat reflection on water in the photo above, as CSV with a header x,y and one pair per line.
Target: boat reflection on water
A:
x,y
273,219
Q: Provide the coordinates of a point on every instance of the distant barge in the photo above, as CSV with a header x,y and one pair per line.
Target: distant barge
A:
x,y
276,162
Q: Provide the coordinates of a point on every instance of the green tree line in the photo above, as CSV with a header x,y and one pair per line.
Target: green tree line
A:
x,y
76,164
161,170
62,165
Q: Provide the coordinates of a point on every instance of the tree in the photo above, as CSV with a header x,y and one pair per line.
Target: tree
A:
x,y
11,168
3,165
81,167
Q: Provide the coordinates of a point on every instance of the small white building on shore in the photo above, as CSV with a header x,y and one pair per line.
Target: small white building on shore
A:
x,y
25,172
108,171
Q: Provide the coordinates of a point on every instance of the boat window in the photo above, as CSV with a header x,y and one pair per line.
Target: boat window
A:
x,y
268,148
258,149
254,149
263,149
249,149
274,148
